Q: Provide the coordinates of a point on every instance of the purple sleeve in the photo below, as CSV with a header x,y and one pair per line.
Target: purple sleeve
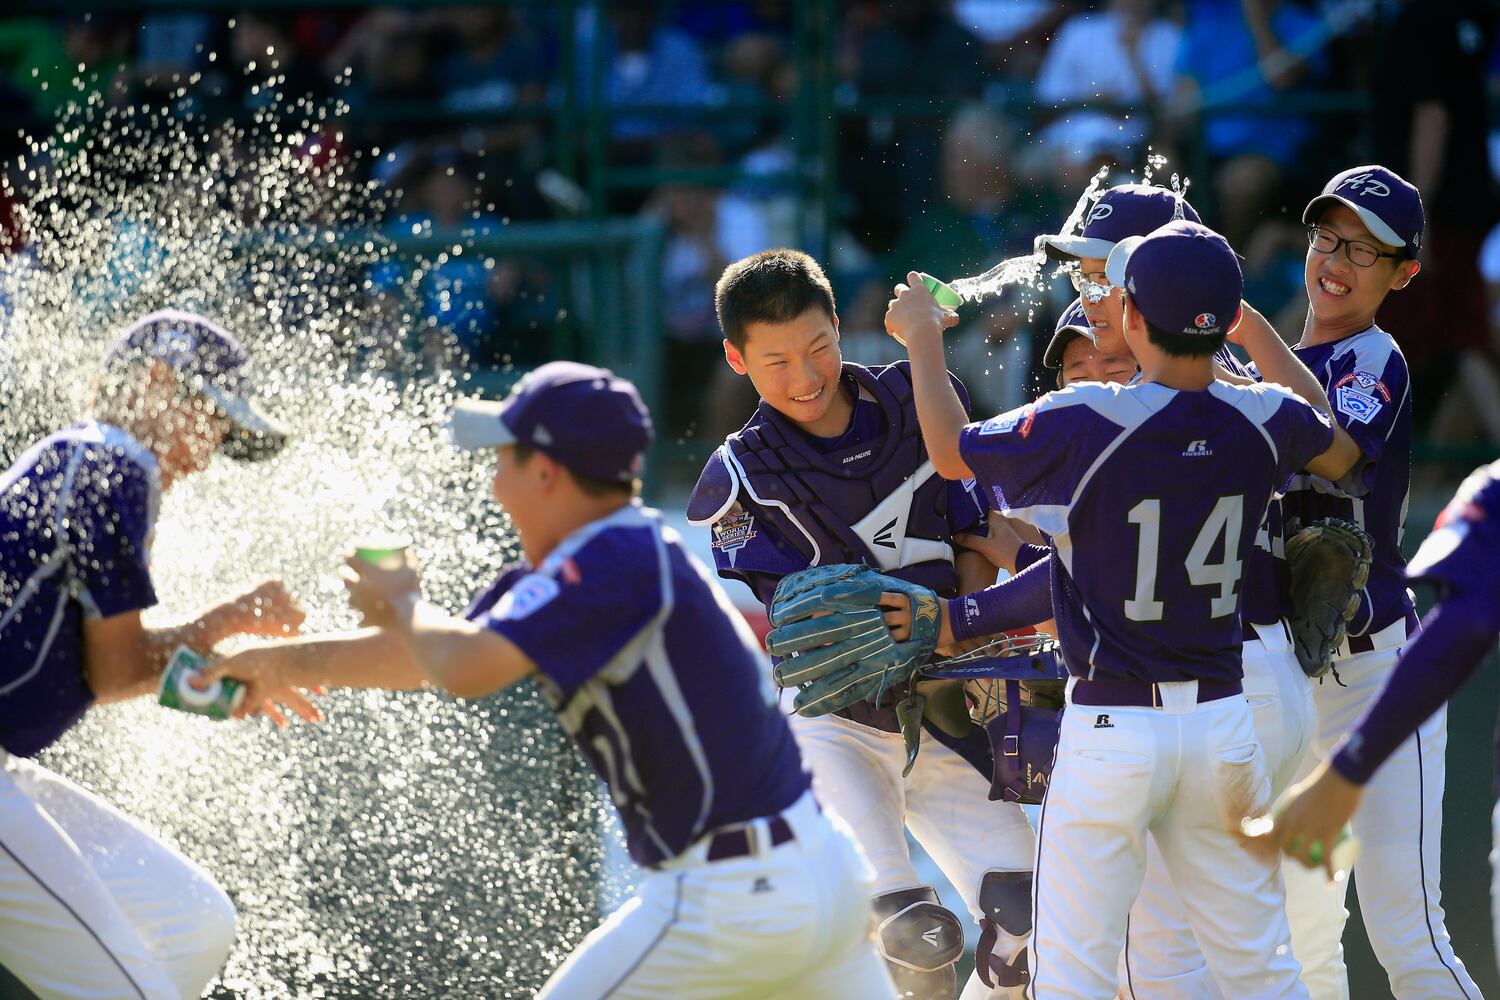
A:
x,y
609,584
1301,431
1455,637
748,549
109,528
1018,602
1366,388
1029,555
965,509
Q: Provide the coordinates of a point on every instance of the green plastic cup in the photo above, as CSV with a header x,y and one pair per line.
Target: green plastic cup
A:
x,y
942,292
183,688
385,551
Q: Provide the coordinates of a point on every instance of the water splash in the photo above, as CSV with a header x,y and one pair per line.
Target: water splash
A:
x,y
412,846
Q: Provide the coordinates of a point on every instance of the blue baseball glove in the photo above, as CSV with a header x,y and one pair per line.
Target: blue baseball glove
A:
x,y
835,645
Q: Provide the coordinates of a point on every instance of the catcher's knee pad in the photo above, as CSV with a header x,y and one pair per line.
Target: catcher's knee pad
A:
x,y
921,940
1000,957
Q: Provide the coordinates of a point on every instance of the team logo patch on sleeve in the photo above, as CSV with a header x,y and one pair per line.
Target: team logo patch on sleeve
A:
x,y
1355,404
734,530
1003,424
1366,383
529,594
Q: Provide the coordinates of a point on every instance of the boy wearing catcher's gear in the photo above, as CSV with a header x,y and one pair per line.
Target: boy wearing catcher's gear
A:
x,y
832,469
750,892
1166,743
1364,235
90,903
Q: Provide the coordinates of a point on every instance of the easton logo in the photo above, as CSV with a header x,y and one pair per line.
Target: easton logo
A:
x,y
1197,449
1365,183
883,536
933,936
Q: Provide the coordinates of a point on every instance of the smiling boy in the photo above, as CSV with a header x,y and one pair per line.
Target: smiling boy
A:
x,y
832,469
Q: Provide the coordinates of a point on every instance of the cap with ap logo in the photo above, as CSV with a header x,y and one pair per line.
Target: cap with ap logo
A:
x,y
588,419
1388,205
1123,211
1183,277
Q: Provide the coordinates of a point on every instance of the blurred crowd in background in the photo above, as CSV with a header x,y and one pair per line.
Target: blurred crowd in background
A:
x,y
956,132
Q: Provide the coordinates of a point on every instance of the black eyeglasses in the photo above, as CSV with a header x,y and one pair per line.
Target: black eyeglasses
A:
x,y
1360,254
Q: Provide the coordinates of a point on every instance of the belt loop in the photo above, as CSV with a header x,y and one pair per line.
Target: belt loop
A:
x,y
1156,696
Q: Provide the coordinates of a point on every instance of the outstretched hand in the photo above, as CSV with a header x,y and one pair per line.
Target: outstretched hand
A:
x,y
379,593
1308,821
914,313
268,610
263,670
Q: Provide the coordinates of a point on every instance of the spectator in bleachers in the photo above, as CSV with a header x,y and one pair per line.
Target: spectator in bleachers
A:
x,y
1015,32
647,62
492,58
1431,126
1248,52
265,41
706,229
906,49
1105,73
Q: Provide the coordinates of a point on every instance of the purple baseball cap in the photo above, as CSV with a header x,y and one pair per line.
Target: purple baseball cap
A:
x,y
1122,211
1070,325
588,419
1388,205
1183,277
210,361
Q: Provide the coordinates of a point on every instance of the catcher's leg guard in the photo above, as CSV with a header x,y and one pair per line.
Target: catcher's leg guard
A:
x,y
921,940
1000,956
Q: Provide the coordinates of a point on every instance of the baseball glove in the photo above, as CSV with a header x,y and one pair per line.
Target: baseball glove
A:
x,y
1330,564
835,645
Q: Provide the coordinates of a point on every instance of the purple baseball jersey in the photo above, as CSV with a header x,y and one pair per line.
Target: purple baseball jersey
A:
x,y
778,500
1367,383
1265,593
1152,498
655,675
1461,558
76,515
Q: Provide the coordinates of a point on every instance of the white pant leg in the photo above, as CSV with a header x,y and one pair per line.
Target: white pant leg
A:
x,y
1161,957
1234,900
787,922
1316,914
950,813
1399,826
1108,782
857,774
178,910
62,933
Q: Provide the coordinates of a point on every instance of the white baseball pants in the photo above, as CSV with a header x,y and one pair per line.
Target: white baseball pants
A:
x,y
1399,825
1161,959
789,921
1185,773
92,905
945,802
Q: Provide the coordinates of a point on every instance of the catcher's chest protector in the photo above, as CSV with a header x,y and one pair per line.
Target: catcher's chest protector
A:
x,y
889,511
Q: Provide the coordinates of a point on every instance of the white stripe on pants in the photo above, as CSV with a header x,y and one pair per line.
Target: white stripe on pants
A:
x,y
1399,825
1161,960
790,922
1185,773
92,905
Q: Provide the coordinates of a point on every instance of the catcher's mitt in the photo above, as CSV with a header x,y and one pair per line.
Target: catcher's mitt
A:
x,y
1330,564
829,628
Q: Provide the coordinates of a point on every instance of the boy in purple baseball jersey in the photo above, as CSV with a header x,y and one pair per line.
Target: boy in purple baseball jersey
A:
x,y
1153,641
1365,231
90,903
750,891
1460,558
832,469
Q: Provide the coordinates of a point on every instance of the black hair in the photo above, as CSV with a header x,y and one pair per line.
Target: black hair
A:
x,y
773,286
596,488
1183,345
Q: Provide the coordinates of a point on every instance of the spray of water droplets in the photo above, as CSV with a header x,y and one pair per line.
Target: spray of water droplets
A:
x,y
413,845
